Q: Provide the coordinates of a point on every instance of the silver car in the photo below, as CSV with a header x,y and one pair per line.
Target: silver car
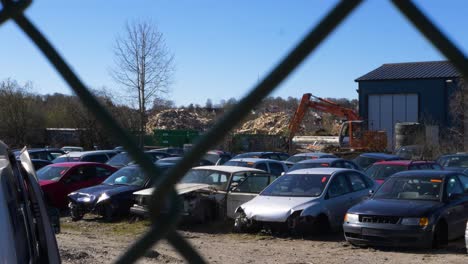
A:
x,y
304,200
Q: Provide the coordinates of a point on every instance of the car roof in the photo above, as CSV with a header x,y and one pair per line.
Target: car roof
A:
x,y
83,153
254,160
327,171
73,164
378,155
403,162
322,160
228,169
311,154
425,173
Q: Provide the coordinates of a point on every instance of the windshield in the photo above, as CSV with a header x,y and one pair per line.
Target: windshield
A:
x,y
210,177
365,162
298,158
120,159
127,176
382,172
308,165
455,161
298,185
240,163
410,188
51,173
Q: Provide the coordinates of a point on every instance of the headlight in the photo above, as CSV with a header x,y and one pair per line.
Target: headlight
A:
x,y
351,218
103,197
415,221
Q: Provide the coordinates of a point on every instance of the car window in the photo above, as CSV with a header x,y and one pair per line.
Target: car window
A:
x,y
39,155
436,166
276,168
454,186
272,156
239,177
253,184
261,166
464,182
102,172
338,186
102,158
349,165
283,156
81,174
223,159
357,182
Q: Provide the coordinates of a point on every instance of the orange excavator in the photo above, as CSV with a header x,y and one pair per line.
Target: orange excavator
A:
x,y
353,133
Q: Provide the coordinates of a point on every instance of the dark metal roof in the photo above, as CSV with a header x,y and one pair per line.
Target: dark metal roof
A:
x,y
412,70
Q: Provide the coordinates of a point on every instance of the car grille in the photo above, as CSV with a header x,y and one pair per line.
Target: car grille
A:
x,y
378,219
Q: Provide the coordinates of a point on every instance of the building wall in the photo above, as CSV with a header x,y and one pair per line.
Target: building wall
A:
x,y
433,96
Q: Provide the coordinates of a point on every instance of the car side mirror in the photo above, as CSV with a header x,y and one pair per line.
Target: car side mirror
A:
x,y
234,186
371,192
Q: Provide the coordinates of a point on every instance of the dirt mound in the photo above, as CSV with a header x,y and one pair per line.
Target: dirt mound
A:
x,y
267,123
199,120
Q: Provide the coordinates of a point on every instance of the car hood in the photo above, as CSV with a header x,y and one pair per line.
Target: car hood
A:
x,y
275,208
401,208
111,190
181,188
43,183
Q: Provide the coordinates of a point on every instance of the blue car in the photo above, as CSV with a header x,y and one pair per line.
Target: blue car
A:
x,y
413,208
454,162
114,196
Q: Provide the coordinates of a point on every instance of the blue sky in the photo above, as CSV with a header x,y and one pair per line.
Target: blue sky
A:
x,y
222,48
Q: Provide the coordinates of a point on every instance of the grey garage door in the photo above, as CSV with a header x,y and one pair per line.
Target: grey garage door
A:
x,y
385,110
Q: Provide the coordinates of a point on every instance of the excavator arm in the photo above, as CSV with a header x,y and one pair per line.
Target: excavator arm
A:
x,y
319,104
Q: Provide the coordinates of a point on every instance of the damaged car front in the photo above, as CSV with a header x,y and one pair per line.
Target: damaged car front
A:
x,y
113,197
304,201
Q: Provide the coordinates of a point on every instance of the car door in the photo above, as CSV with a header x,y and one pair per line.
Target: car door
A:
x,y
246,190
359,187
338,199
456,200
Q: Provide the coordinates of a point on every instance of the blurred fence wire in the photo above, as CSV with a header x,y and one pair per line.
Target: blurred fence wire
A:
x,y
163,226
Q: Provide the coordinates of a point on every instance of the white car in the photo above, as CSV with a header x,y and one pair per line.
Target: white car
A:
x,y
211,192
26,233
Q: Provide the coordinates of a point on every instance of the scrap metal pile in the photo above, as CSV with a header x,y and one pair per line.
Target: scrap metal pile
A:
x,y
180,118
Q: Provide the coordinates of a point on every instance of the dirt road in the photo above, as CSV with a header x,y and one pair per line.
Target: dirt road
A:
x,y
92,241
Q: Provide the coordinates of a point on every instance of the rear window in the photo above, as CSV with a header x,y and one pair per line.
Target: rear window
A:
x,y
51,173
382,172
365,162
298,185
240,164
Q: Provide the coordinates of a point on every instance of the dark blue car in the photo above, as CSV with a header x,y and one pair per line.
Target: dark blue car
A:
x,y
454,162
114,196
412,208
367,159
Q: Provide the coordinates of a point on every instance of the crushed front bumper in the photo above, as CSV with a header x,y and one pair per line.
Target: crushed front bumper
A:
x,y
393,235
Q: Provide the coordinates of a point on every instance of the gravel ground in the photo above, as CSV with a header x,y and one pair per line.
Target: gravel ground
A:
x,y
93,241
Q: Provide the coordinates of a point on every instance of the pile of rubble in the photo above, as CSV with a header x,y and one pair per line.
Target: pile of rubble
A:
x,y
267,123
270,123
200,120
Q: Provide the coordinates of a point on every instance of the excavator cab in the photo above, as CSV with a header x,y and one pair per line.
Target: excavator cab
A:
x,y
351,134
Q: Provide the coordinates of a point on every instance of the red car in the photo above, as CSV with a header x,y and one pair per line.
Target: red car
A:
x,y
380,171
59,179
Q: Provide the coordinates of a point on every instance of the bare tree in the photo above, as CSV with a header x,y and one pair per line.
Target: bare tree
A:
x,y
144,67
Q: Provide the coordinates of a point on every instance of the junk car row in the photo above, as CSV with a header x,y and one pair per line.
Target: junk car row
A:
x,y
376,199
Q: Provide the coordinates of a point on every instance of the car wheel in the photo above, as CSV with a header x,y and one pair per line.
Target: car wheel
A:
x,y
321,225
75,213
440,235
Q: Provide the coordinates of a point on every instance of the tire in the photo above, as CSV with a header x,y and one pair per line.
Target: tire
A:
x,y
75,213
440,236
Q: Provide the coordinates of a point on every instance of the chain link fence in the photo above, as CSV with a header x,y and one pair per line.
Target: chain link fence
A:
x,y
164,227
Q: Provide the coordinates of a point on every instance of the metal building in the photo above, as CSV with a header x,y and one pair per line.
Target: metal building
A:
x,y
408,92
